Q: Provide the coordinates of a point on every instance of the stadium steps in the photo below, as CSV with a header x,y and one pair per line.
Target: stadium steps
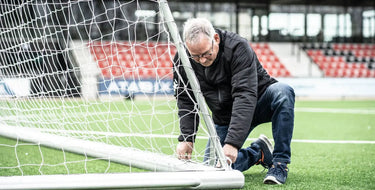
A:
x,y
295,60
89,70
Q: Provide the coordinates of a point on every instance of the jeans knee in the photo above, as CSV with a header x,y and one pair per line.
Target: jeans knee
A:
x,y
289,94
285,94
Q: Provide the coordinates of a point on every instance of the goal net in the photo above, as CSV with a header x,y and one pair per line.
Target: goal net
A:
x,y
87,99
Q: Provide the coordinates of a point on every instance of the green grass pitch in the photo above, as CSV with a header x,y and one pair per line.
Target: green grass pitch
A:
x,y
333,159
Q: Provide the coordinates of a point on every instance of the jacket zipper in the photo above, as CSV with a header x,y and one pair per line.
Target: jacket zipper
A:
x,y
219,98
205,74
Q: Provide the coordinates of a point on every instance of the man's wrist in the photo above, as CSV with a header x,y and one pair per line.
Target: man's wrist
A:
x,y
186,138
233,145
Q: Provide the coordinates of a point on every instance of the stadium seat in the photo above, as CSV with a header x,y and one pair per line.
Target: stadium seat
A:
x,y
123,59
344,59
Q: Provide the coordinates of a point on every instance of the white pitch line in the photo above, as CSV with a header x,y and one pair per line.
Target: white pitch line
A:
x,y
333,141
334,110
114,134
325,141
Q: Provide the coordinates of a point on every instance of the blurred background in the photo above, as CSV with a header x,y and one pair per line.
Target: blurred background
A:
x,y
322,48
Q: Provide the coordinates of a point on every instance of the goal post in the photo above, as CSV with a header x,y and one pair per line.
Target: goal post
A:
x,y
215,142
87,99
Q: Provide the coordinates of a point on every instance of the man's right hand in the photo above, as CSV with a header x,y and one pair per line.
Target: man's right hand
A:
x,y
184,150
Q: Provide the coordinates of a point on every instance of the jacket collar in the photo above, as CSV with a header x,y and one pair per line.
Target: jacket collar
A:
x,y
221,45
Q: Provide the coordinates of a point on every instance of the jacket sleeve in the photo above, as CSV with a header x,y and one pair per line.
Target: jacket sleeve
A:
x,y
187,108
244,93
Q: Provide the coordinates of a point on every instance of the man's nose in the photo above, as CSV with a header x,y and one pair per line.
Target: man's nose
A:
x,y
202,59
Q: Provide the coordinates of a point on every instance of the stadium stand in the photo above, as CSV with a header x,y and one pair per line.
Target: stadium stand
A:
x,y
343,59
270,60
118,59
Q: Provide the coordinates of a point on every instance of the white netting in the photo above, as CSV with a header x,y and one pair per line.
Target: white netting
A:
x,y
93,70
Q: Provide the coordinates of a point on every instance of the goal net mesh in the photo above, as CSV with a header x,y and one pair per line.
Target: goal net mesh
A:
x,y
99,71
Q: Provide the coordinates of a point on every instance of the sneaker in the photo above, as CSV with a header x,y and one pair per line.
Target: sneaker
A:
x,y
277,174
266,151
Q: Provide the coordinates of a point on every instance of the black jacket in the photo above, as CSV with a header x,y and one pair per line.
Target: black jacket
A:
x,y
230,86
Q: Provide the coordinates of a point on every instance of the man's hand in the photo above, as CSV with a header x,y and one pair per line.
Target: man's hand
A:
x,y
231,152
184,150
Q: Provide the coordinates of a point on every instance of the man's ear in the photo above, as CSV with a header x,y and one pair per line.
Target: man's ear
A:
x,y
217,38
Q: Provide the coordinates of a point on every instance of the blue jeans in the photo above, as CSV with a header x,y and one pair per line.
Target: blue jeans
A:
x,y
275,105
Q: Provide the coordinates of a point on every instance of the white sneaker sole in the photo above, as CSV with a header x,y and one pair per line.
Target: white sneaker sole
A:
x,y
267,141
271,180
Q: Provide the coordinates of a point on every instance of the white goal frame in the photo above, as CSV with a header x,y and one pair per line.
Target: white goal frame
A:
x,y
171,173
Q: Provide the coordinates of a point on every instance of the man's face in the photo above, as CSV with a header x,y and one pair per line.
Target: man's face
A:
x,y
205,50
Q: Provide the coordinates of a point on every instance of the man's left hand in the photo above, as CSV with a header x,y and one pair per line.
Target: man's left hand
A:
x,y
231,152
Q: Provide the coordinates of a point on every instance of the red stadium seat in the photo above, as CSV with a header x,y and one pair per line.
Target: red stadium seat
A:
x,y
345,59
125,59
269,60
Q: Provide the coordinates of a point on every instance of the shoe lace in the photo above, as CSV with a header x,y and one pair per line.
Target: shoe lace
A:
x,y
279,169
261,161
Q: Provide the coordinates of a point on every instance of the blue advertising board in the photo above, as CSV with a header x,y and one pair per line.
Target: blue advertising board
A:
x,y
131,86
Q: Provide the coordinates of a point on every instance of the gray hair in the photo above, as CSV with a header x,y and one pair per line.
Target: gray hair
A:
x,y
196,26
